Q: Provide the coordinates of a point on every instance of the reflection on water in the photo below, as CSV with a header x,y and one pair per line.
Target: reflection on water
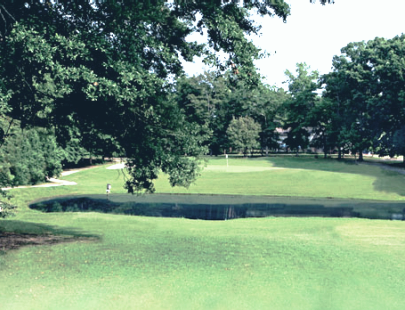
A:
x,y
219,207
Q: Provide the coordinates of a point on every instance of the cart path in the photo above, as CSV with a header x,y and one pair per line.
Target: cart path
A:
x,y
53,181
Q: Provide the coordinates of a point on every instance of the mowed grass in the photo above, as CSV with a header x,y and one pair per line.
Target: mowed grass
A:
x,y
304,177
148,263
267,263
274,176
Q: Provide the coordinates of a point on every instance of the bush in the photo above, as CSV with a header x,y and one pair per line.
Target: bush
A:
x,y
29,157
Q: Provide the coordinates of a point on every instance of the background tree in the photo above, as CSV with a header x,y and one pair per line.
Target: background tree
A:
x,y
302,87
105,68
263,103
243,134
206,100
325,123
368,84
336,114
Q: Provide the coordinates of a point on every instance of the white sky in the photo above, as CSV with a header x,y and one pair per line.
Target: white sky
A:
x,y
315,33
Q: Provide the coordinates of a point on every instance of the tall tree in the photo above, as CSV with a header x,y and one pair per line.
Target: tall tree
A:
x,y
335,114
367,83
206,99
264,103
105,66
302,87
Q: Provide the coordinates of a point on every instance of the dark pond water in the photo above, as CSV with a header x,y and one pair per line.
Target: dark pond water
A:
x,y
221,207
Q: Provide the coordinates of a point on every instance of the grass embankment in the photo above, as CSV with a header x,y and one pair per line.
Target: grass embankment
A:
x,y
271,263
305,177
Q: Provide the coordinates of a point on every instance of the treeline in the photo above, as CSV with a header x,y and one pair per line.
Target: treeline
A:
x,y
234,114
362,107
365,95
358,107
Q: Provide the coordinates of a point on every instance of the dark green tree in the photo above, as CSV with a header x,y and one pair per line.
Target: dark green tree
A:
x,y
205,99
243,134
267,113
302,87
104,67
30,157
367,84
324,123
335,115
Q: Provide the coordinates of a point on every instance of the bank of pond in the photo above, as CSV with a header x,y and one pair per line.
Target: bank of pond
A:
x,y
223,207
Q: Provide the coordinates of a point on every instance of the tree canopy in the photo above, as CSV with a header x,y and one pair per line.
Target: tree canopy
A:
x,y
367,84
302,87
243,133
104,68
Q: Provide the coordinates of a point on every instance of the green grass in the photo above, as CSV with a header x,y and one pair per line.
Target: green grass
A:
x,y
270,263
278,176
147,263
294,177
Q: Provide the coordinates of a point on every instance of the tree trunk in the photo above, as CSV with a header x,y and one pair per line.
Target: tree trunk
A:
x,y
267,151
360,156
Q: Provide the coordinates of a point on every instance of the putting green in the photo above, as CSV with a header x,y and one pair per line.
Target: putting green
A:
x,y
239,169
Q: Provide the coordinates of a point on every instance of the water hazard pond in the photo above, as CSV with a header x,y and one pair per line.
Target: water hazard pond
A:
x,y
223,207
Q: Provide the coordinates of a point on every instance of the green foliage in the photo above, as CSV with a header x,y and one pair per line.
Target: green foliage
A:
x,y
398,145
6,208
326,125
302,88
367,87
29,157
100,73
215,100
243,133
205,100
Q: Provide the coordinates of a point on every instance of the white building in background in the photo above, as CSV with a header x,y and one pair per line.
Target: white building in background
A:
x,y
282,133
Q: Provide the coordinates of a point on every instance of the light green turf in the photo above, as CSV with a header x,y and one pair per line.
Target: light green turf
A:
x,y
148,263
294,177
271,263
290,176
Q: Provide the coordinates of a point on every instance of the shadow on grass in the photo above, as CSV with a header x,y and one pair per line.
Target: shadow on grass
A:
x,y
387,178
15,234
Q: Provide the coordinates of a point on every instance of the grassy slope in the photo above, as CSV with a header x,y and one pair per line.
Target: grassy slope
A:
x,y
295,177
272,263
